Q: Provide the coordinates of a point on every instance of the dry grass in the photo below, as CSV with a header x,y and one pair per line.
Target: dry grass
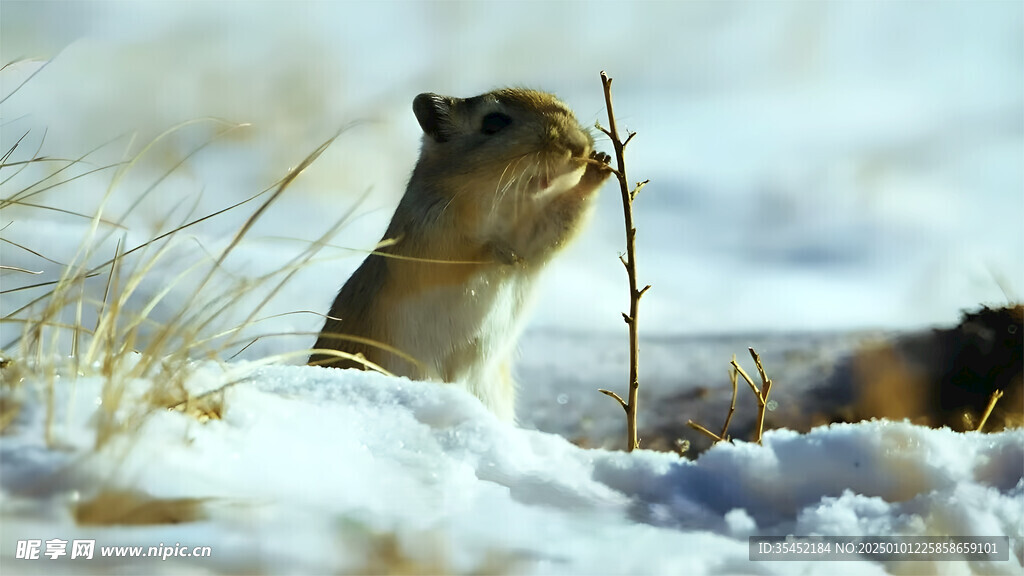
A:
x,y
123,342
105,312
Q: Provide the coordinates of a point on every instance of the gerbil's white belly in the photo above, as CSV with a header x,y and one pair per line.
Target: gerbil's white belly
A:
x,y
466,334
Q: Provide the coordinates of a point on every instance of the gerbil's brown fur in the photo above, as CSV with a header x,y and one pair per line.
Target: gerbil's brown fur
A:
x,y
504,181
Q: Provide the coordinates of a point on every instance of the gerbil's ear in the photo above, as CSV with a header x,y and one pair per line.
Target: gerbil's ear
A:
x,y
434,113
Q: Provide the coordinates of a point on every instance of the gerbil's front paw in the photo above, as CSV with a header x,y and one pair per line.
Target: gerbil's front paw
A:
x,y
597,168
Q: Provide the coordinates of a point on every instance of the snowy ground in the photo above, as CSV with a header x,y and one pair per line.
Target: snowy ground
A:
x,y
822,174
310,469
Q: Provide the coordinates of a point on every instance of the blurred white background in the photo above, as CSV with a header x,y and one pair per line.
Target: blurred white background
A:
x,y
813,165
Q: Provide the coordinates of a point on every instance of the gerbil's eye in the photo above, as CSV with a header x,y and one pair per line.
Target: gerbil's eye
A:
x,y
494,122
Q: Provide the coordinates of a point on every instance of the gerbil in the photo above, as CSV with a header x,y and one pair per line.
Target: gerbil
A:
x,y
504,180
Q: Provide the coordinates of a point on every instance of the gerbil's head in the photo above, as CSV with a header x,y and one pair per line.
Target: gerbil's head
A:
x,y
501,156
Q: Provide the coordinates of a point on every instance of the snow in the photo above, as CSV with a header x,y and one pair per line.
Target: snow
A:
x,y
817,169
308,464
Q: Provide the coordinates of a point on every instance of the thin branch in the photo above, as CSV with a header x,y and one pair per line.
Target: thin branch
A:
x,y
617,397
734,377
762,394
724,436
704,431
629,261
637,189
746,376
760,367
988,410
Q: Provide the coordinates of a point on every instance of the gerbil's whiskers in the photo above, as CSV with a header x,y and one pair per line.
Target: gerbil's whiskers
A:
x,y
501,191
458,192
533,169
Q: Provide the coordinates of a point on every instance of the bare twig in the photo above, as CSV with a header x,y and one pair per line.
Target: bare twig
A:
x,y
636,190
988,410
762,394
617,397
629,261
734,376
739,370
704,431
